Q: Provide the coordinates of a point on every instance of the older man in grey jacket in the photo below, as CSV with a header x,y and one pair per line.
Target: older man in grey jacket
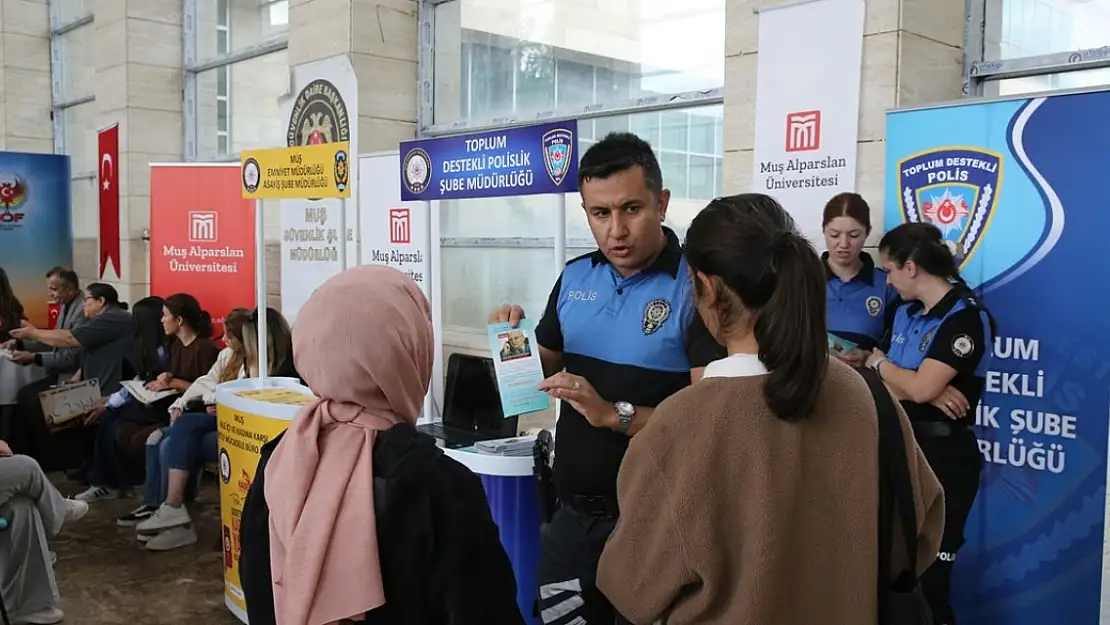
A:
x,y
29,432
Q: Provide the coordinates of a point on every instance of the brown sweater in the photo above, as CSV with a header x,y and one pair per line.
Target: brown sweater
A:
x,y
731,516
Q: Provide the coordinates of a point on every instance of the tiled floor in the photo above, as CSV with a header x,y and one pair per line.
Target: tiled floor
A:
x,y
107,578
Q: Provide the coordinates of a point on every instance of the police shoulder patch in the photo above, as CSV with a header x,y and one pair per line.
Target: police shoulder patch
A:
x,y
962,346
656,313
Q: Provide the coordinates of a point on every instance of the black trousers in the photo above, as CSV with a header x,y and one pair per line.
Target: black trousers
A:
x,y
956,461
571,546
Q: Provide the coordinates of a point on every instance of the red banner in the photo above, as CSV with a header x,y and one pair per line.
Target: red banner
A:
x,y
53,311
108,184
202,236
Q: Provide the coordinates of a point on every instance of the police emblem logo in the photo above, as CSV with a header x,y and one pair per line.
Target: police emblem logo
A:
x,y
319,115
925,340
656,314
342,170
225,466
416,170
558,147
252,175
874,305
956,190
962,346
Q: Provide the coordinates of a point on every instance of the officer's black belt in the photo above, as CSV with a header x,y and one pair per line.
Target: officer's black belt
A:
x,y
594,505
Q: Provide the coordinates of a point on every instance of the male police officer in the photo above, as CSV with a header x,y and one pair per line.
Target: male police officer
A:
x,y
619,335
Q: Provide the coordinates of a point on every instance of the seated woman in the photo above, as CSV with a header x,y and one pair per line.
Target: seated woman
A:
x,y
35,512
108,474
192,354
345,504
170,526
200,397
752,497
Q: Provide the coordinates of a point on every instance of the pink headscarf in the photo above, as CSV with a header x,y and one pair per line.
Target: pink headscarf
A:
x,y
363,342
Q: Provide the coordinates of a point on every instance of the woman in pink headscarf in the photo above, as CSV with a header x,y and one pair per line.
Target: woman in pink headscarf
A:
x,y
354,515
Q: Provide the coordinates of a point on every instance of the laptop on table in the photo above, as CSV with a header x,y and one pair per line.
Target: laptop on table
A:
x,y
471,405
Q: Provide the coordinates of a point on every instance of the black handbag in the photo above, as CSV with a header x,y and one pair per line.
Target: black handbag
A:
x,y
901,599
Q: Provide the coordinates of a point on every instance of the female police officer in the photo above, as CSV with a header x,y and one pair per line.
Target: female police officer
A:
x,y
940,347
860,302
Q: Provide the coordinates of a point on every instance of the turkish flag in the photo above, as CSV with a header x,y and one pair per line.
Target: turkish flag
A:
x,y
108,180
53,311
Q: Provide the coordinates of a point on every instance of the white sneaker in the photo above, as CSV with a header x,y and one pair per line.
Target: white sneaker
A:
x,y
181,536
76,510
167,517
144,538
49,616
98,493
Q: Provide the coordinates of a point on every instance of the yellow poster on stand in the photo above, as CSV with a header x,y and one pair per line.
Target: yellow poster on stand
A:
x,y
242,435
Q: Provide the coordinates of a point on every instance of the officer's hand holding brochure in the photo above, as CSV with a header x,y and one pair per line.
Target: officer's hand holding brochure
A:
x,y
841,346
516,360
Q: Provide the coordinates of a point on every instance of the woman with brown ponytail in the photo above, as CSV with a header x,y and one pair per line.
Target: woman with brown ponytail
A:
x,y
752,497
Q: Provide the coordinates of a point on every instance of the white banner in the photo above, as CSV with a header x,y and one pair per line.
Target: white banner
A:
x,y
393,232
324,108
398,234
807,105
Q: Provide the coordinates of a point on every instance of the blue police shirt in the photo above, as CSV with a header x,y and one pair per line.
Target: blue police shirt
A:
x,y
957,331
634,339
861,309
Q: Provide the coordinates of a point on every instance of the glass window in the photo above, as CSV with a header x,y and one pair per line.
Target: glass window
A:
x,y
226,26
1019,28
570,59
78,62
476,280
250,114
80,126
1049,82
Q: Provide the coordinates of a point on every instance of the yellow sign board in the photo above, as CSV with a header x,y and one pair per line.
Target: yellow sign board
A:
x,y
313,172
278,395
242,436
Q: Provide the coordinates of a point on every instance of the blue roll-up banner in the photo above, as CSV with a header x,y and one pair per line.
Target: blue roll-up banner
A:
x,y
517,161
1019,188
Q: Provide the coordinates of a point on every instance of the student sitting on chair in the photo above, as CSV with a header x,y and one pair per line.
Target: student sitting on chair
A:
x,y
32,511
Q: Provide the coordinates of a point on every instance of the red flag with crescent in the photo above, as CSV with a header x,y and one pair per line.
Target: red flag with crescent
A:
x,y
108,185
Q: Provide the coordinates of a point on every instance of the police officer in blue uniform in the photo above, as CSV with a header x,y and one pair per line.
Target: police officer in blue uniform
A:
x,y
940,348
860,303
618,336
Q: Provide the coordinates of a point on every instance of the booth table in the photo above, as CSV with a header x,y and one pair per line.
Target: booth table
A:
x,y
250,413
514,503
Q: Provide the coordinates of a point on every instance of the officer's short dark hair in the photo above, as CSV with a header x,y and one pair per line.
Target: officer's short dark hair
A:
x,y
65,274
617,152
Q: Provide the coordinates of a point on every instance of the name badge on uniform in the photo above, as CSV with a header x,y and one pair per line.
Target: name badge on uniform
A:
x,y
656,313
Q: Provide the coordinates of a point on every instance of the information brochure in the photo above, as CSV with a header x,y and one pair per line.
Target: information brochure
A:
x,y
144,395
66,402
516,359
839,345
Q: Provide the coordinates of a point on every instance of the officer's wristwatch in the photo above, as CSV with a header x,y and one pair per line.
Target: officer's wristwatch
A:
x,y
626,412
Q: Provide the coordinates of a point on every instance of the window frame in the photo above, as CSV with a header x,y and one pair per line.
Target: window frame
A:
x,y
193,66
982,77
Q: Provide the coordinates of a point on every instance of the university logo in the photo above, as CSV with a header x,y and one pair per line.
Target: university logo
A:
x,y
202,227
803,131
13,195
956,190
416,170
400,226
557,151
319,115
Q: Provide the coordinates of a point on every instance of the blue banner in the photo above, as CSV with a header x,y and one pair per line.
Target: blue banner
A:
x,y
1019,189
515,161
35,228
